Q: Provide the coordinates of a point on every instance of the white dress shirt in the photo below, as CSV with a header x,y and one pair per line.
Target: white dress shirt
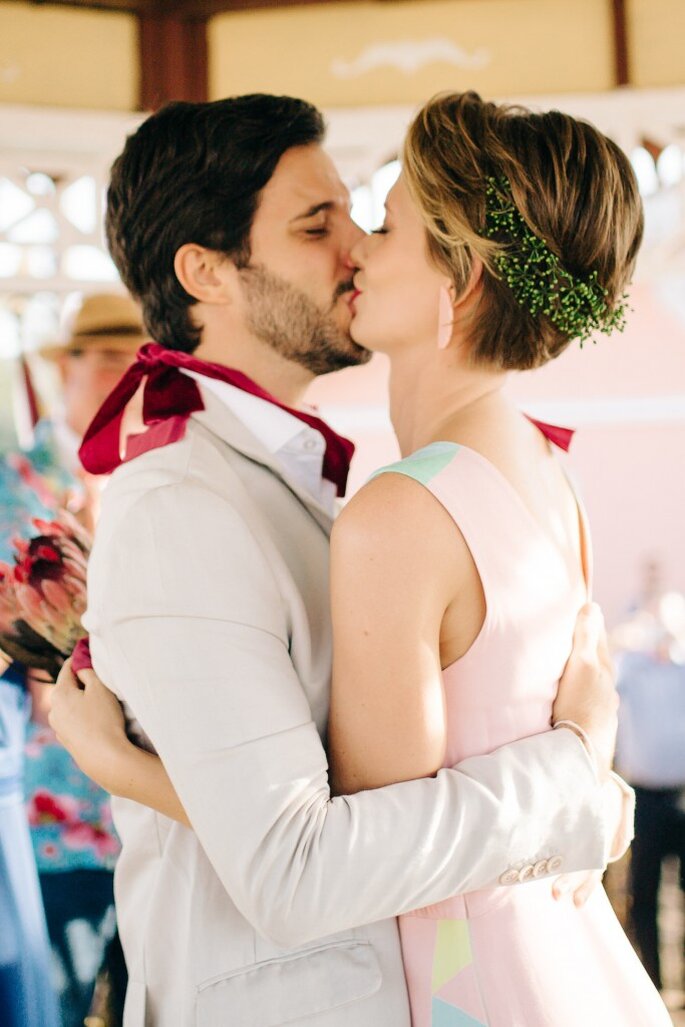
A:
x,y
297,447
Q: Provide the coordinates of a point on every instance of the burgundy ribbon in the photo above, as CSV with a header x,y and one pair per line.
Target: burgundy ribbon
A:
x,y
170,397
81,658
561,437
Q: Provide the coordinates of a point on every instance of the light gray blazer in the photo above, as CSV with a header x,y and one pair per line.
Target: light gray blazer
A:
x,y
208,616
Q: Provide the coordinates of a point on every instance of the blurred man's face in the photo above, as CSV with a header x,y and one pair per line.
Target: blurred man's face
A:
x,y
89,374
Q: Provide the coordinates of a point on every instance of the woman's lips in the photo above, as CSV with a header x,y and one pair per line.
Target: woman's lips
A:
x,y
353,297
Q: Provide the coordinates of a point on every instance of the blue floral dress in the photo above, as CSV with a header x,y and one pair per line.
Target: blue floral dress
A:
x,y
74,842
27,998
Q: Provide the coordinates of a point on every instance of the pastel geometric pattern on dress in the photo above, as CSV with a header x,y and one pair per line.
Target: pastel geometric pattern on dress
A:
x,y
452,951
463,992
424,464
444,1015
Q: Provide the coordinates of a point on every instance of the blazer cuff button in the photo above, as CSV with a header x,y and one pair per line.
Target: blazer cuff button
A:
x,y
541,868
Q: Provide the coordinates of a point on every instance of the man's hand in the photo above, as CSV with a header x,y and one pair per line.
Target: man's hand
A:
x,y
586,694
579,886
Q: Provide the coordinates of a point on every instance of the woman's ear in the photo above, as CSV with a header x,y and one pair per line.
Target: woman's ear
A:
x,y
474,284
453,310
204,274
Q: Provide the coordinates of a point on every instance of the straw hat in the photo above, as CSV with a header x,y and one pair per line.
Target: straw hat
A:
x,y
105,320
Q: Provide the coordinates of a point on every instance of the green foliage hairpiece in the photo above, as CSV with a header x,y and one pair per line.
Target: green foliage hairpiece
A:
x,y
540,283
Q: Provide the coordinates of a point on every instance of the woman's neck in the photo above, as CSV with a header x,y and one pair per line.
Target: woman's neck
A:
x,y
439,399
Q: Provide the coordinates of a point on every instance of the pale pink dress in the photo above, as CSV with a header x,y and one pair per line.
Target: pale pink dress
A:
x,y
512,956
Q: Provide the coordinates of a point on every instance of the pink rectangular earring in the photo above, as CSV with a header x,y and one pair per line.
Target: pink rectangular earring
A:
x,y
445,317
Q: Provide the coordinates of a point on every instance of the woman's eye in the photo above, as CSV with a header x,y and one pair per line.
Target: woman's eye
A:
x,y
383,230
320,232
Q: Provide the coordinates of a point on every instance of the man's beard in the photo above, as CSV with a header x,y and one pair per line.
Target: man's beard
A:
x,y
291,323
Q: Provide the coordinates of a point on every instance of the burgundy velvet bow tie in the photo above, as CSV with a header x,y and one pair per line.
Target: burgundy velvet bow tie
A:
x,y
170,397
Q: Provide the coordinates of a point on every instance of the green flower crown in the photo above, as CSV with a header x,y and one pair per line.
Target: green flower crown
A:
x,y
540,283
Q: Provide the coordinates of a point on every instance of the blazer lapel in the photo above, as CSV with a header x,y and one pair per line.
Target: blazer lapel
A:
x,y
222,422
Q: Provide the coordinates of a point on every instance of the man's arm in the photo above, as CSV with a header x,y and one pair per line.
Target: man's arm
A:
x,y
207,671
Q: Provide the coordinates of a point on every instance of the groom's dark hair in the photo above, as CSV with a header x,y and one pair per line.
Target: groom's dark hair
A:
x,y
193,172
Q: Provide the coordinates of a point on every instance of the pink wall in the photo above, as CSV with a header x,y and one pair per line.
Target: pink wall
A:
x,y
626,396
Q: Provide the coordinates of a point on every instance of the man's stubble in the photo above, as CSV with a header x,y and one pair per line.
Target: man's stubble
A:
x,y
291,323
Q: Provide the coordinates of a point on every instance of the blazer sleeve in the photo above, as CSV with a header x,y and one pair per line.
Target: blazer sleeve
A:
x,y
191,630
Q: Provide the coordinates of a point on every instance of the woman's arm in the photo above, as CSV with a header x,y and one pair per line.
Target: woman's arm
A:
x,y
398,563
88,720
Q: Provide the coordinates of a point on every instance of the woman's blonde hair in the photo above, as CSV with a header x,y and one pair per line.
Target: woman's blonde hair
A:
x,y
574,188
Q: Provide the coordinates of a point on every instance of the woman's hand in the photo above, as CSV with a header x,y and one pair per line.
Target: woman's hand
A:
x,y
587,695
89,722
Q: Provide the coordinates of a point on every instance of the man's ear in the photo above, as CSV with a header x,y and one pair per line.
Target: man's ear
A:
x,y
206,275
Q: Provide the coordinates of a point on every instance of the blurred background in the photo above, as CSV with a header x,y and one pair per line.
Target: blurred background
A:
x,y
77,76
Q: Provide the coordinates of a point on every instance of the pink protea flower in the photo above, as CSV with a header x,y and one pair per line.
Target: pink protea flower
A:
x,y
43,594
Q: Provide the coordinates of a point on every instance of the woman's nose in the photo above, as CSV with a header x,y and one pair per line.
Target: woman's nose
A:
x,y
358,251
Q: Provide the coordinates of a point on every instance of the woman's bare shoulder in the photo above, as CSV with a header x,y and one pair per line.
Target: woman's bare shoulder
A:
x,y
395,516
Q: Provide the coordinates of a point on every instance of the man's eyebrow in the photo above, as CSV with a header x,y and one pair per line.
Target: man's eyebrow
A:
x,y
316,209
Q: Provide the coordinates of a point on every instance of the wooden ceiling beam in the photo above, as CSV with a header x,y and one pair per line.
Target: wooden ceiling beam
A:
x,y
183,8
173,59
621,55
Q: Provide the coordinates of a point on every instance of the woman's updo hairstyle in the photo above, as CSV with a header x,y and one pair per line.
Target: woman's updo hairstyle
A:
x,y
573,187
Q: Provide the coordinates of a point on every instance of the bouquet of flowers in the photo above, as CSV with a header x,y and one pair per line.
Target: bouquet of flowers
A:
x,y
43,594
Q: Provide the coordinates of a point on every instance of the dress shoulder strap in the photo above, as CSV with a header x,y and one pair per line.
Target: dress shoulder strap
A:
x,y
425,464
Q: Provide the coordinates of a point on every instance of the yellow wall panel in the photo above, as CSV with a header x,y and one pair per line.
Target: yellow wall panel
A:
x,y
656,39
68,58
371,53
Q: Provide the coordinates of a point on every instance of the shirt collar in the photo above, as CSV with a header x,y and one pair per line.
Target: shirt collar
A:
x,y
283,436
272,427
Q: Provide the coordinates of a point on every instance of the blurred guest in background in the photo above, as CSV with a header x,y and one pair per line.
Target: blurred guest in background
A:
x,y
73,838
98,342
651,752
